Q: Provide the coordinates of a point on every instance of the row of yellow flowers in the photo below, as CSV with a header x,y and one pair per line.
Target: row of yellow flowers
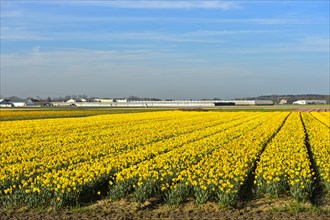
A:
x,y
323,117
319,140
285,162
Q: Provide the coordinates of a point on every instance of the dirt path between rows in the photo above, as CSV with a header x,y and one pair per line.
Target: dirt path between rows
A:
x,y
126,209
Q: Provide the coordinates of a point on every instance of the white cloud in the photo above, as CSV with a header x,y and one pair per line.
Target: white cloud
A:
x,y
20,33
175,4
316,42
210,33
133,37
303,45
157,4
180,38
39,58
306,44
282,21
10,14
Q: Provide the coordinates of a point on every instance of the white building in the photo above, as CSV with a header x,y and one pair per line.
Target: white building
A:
x,y
283,102
18,104
253,102
309,102
5,103
14,103
103,100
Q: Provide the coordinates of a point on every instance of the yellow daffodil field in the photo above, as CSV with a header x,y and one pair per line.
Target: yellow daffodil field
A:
x,y
171,155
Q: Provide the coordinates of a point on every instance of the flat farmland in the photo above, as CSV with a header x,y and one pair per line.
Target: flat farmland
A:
x,y
154,164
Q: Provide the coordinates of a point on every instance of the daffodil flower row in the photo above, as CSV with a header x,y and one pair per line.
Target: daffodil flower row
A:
x,y
285,162
223,172
323,117
319,140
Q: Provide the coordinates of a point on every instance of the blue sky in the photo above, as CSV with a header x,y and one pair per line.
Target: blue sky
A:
x,y
164,49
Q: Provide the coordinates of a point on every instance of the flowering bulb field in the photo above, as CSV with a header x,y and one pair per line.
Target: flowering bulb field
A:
x,y
173,155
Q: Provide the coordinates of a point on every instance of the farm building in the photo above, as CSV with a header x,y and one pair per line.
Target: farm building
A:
x,y
71,101
82,100
6,103
283,102
16,103
103,100
309,102
78,100
253,102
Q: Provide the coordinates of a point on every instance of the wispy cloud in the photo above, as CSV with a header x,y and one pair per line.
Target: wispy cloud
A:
x,y
133,37
308,44
164,4
282,21
199,36
88,57
210,33
70,56
176,4
10,14
21,34
160,36
263,21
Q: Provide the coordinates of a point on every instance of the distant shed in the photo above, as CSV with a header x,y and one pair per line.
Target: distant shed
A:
x,y
309,102
16,103
6,103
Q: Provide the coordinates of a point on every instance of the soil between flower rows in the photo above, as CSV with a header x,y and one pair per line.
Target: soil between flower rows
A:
x,y
261,208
